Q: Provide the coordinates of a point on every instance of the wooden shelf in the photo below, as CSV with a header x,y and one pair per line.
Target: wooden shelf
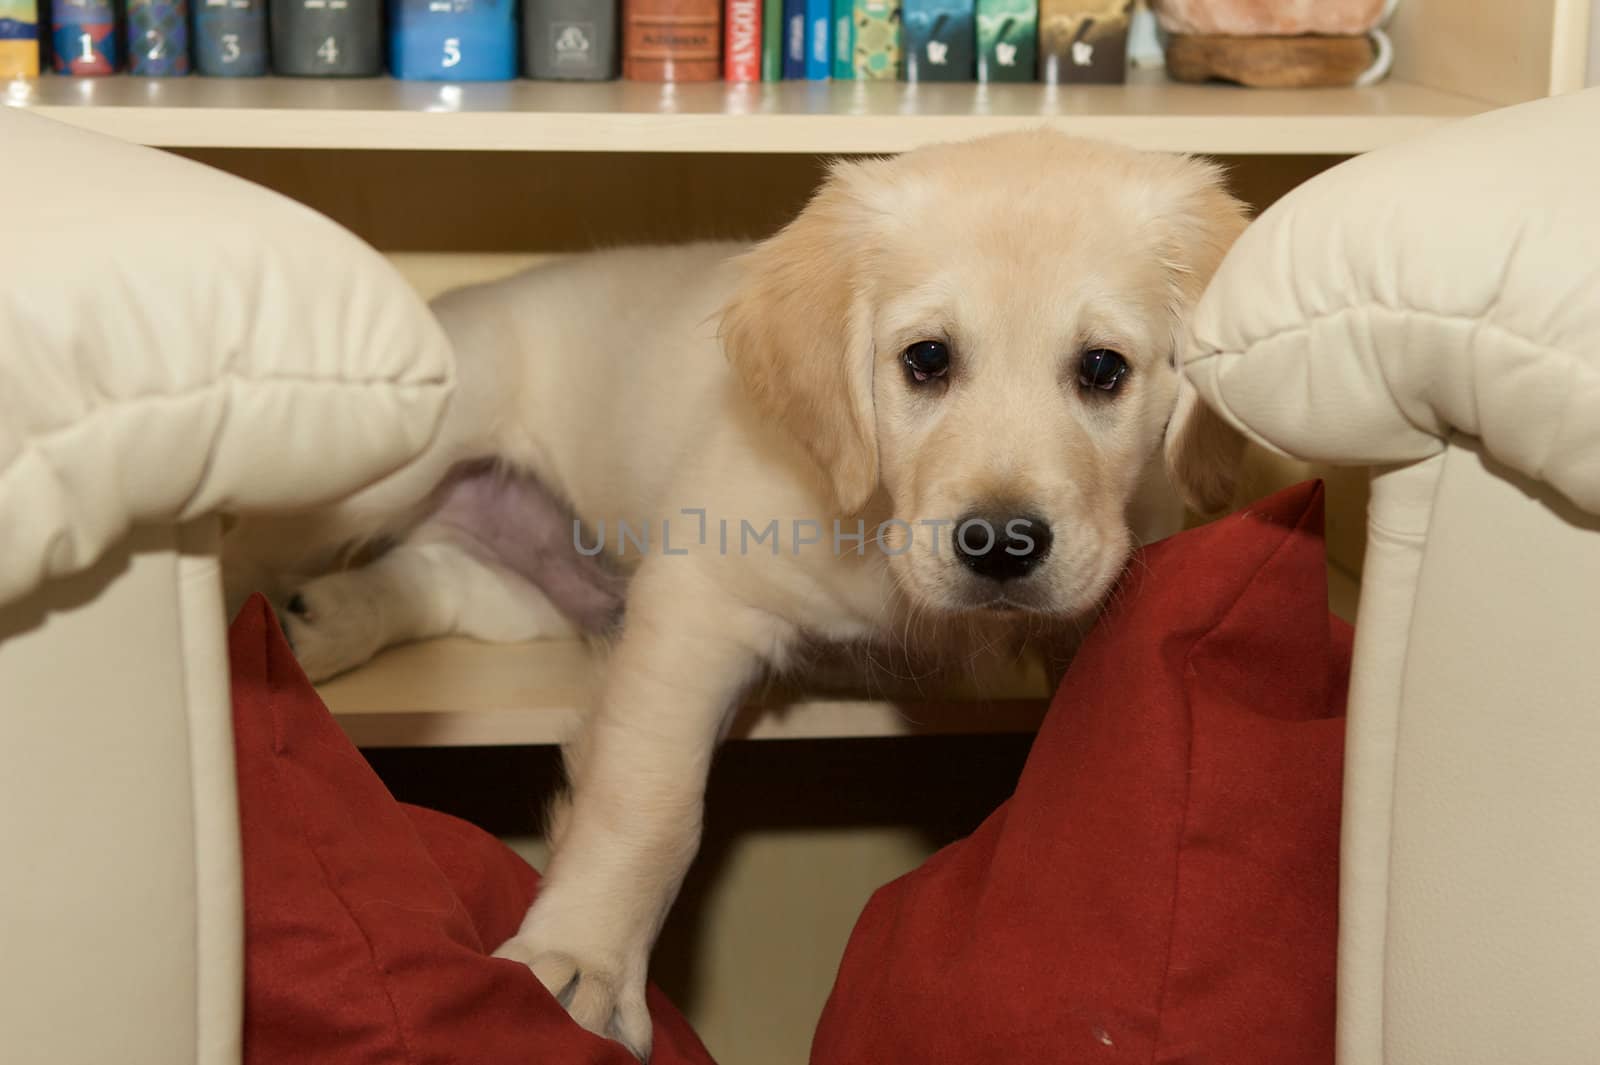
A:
x,y
814,117
458,693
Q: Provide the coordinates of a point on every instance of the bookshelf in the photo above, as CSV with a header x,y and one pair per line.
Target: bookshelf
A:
x,y
459,693
793,118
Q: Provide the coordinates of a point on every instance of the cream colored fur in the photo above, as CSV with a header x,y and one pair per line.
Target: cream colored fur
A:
x,y
767,383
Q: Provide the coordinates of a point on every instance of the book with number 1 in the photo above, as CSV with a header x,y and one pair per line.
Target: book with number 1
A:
x,y
83,37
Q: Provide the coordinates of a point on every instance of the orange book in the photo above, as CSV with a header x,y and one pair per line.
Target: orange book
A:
x,y
672,40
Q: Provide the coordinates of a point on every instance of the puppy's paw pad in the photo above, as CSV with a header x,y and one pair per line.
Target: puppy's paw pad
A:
x,y
594,998
332,625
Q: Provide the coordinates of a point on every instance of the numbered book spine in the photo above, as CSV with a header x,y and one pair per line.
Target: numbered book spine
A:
x,y
672,40
83,37
453,40
772,40
939,40
877,39
158,38
19,39
794,39
844,40
570,40
1080,41
742,58
326,38
819,40
230,38
1007,39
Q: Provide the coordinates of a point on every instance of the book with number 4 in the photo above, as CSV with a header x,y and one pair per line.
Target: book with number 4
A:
x,y
327,38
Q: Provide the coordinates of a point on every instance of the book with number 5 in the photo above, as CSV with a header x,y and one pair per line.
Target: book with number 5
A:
x,y
453,40
326,38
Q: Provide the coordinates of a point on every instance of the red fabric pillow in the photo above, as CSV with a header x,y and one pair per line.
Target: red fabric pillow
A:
x,y
365,923
1162,887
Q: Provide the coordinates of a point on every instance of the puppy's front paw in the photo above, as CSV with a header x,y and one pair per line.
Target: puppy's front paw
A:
x,y
333,623
601,995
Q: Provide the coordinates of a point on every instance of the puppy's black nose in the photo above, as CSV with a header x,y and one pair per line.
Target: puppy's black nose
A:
x,y
1002,547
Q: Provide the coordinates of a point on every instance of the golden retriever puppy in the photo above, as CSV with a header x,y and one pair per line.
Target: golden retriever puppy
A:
x,y
930,412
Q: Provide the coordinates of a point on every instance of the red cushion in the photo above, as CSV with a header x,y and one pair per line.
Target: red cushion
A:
x,y
1162,887
365,923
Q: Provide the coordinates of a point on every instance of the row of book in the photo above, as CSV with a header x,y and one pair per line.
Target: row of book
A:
x,y
647,40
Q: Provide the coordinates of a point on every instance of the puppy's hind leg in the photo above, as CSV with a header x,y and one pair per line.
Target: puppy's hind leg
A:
x,y
495,562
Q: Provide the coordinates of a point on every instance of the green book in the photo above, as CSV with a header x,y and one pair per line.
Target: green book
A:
x,y
772,40
877,46
844,40
1007,33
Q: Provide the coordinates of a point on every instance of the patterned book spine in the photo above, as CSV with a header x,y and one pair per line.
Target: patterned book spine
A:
x,y
672,40
453,40
326,38
772,40
844,40
819,38
158,38
19,39
570,40
939,42
83,37
743,60
877,39
230,38
1007,38
1084,40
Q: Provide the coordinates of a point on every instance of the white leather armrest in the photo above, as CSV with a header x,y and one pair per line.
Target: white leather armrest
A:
x,y
1447,285
174,341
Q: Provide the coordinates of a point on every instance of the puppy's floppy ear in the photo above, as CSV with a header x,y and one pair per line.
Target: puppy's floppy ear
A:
x,y
1203,452
798,332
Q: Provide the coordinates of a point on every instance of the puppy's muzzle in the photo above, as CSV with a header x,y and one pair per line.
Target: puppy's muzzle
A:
x,y
1001,546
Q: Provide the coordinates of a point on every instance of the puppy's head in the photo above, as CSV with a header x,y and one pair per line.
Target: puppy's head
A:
x,y
985,333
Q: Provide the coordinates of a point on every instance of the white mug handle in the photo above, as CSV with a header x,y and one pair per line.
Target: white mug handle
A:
x,y
1382,60
1382,47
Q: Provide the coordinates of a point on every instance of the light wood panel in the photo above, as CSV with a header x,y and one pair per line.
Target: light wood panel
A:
x,y
1495,50
791,117
508,203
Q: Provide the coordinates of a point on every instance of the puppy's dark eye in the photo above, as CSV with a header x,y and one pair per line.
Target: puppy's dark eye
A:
x,y
927,359
1102,369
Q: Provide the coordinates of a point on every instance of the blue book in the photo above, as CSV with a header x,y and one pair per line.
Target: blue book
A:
x,y
844,40
794,40
819,54
453,40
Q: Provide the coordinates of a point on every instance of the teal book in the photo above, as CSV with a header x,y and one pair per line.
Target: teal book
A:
x,y
937,40
1007,39
844,40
